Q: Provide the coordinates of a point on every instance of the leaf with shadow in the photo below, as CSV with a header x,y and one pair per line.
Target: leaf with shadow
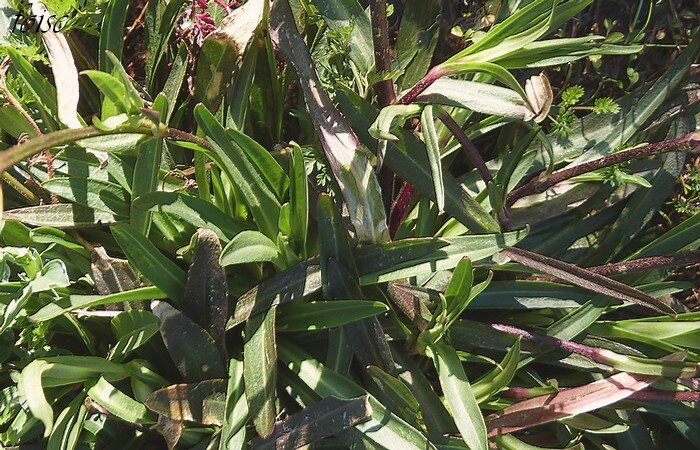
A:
x,y
205,298
330,416
191,348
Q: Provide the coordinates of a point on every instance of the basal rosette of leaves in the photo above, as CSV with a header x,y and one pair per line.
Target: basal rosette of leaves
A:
x,y
298,223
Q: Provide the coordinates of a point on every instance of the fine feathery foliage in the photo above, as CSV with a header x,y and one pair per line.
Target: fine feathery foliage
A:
x,y
349,224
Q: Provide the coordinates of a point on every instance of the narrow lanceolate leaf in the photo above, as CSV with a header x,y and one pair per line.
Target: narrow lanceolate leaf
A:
x,y
205,298
112,33
233,429
383,430
191,348
146,172
203,403
325,315
587,279
459,397
98,195
348,160
119,404
152,264
298,202
260,370
499,377
340,282
389,117
69,425
242,170
31,386
64,72
490,99
62,216
326,418
73,302
190,209
432,145
567,402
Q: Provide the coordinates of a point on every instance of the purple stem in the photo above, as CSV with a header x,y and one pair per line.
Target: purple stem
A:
x,y
538,185
434,74
572,347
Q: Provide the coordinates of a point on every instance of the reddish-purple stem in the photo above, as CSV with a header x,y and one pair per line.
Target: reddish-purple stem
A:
x,y
434,74
572,347
400,207
538,185
640,265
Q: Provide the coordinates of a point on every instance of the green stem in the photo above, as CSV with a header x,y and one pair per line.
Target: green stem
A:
x,y
29,148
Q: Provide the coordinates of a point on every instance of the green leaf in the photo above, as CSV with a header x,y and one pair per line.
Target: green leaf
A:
x,y
247,247
498,378
298,202
112,33
233,427
119,404
113,90
460,285
433,147
417,39
146,175
397,396
341,14
69,425
328,417
383,430
474,247
323,315
43,91
61,215
260,370
241,171
459,396
191,348
98,195
192,210
388,116
152,264
479,97
205,296
133,329
203,403
30,384
73,302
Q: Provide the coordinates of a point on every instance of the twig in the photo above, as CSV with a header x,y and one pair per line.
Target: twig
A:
x,y
20,188
641,265
31,147
384,89
538,185
400,208
137,21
